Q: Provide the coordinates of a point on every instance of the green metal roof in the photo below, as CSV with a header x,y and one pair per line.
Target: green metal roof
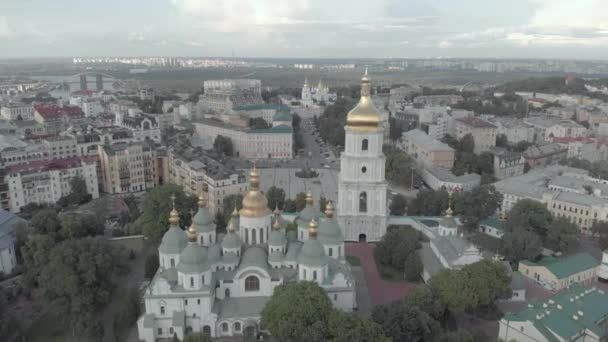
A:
x,y
566,266
492,222
203,221
276,129
330,232
231,241
254,256
193,259
312,254
277,238
566,313
174,241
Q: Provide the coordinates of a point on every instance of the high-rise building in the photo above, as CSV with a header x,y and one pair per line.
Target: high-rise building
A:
x,y
224,95
362,187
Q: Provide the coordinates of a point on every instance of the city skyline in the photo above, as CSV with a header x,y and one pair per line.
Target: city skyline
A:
x,y
307,28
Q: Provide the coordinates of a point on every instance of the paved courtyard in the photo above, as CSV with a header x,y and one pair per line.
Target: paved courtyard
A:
x,y
325,185
380,291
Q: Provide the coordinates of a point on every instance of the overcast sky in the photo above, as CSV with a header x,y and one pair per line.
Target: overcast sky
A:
x,y
306,28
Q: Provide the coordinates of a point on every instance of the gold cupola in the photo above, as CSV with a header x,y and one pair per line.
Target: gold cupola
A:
x,y
365,116
329,210
255,203
313,229
309,200
174,215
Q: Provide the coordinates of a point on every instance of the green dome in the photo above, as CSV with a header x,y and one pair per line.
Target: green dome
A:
x,y
215,252
174,241
193,259
254,256
231,241
277,238
203,220
312,254
330,232
307,214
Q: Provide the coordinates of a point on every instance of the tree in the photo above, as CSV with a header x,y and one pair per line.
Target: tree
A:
x,y
220,221
477,204
456,336
601,229
79,278
424,299
151,266
405,323
347,327
231,201
501,140
79,190
398,204
223,145
300,201
129,310
297,312
396,245
400,167
467,144
520,243
46,221
530,214
331,122
322,203
453,289
157,206
196,337
429,203
35,254
276,197
290,206
488,282
258,123
562,236
412,267
395,129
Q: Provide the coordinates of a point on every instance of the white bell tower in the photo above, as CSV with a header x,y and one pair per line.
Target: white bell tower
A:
x,y
362,187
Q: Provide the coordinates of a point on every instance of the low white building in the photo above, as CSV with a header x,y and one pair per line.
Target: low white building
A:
x,y
46,181
438,178
271,143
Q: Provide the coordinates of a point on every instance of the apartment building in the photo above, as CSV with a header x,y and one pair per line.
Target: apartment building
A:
x,y
544,155
559,273
483,132
196,173
508,164
427,151
46,181
129,167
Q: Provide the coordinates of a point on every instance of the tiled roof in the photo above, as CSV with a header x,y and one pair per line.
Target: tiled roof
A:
x,y
566,266
53,112
475,122
47,165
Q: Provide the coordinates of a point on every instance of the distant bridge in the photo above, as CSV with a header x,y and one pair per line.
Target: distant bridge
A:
x,y
98,79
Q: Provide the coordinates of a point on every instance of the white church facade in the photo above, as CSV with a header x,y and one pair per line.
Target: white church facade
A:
x,y
218,284
312,95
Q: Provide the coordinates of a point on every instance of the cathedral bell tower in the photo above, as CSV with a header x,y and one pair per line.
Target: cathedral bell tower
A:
x,y
362,186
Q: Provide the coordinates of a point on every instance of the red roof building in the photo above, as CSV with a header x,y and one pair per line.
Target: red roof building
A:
x,y
54,164
49,112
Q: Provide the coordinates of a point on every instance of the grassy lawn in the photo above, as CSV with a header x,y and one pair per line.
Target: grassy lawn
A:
x,y
353,260
389,273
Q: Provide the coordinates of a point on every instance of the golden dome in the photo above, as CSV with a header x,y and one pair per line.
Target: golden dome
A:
x,y
202,201
192,233
329,209
255,203
277,223
449,212
231,228
309,199
235,211
364,116
313,229
174,215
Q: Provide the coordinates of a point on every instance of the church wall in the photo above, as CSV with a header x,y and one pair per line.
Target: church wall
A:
x,y
249,225
165,260
342,300
266,285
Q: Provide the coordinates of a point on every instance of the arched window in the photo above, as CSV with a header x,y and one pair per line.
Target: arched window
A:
x,y
237,326
252,283
261,235
253,237
224,327
363,169
363,202
246,236
314,275
203,279
331,251
227,293
191,281
304,273
172,262
202,239
364,145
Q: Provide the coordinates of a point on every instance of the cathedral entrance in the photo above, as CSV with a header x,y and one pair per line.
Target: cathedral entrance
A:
x,y
207,331
362,238
249,332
